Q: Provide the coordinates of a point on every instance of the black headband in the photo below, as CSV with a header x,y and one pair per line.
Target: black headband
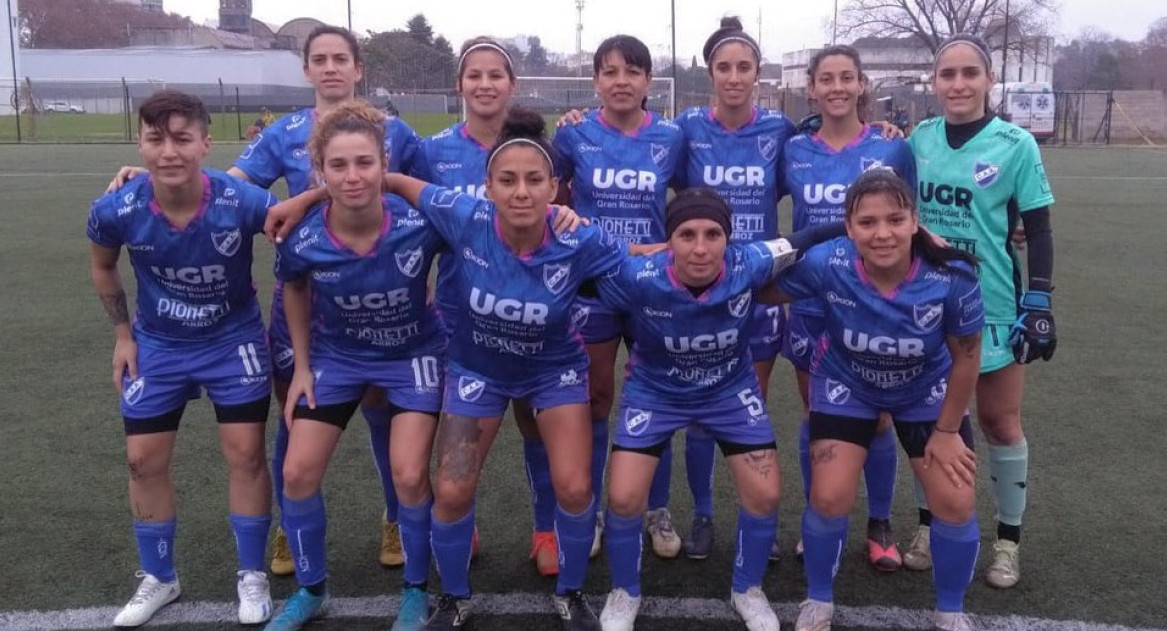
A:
x,y
697,203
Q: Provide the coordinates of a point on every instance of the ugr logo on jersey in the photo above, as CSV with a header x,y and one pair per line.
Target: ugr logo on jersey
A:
x,y
985,173
555,276
409,262
227,243
470,389
636,421
928,317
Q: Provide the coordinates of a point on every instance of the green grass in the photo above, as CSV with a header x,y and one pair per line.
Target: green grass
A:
x,y
1093,541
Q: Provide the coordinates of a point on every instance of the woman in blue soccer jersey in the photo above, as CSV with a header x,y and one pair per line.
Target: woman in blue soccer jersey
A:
x,y
333,65
355,283
977,174
689,314
198,326
817,168
515,340
619,161
901,334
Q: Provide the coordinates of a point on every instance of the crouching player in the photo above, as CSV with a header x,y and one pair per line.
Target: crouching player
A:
x,y
902,334
354,276
189,234
691,313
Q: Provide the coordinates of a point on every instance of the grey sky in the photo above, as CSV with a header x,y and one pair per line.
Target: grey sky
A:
x,y
786,25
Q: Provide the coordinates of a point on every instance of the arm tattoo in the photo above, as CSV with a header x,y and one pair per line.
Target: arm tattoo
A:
x,y
822,454
458,447
115,307
970,345
762,463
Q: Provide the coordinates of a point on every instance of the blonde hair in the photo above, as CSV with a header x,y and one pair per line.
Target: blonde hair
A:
x,y
353,117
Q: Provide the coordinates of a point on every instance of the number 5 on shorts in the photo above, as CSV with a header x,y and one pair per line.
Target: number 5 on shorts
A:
x,y
753,404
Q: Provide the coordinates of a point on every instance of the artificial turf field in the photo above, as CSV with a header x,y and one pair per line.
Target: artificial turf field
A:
x,y
1093,552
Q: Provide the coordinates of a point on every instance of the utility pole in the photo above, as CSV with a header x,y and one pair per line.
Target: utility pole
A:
x,y
579,60
350,16
835,25
673,28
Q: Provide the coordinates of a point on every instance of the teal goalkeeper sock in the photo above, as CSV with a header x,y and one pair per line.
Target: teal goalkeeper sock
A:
x,y
1009,468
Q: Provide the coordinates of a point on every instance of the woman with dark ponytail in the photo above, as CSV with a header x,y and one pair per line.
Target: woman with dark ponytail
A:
x,y
901,334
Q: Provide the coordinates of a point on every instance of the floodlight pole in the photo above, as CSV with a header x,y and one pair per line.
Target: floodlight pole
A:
x,y
673,28
579,61
835,25
350,16
15,81
1001,107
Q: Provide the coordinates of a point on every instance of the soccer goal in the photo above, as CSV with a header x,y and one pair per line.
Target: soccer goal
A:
x,y
552,96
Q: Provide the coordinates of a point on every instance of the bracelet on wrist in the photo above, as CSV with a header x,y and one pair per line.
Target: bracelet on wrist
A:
x,y
947,431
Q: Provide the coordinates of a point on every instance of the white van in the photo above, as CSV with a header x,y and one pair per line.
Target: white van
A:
x,y
1029,105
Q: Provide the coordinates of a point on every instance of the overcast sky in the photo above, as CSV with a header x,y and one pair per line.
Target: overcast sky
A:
x,y
786,25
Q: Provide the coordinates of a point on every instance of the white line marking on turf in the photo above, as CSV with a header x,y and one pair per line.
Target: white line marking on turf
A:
x,y
534,604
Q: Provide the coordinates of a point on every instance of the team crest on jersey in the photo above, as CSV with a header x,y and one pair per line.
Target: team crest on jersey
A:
x,y
799,344
555,276
739,305
867,164
227,242
660,153
284,356
636,421
133,392
444,198
409,262
928,317
579,316
837,393
985,173
937,393
768,147
470,389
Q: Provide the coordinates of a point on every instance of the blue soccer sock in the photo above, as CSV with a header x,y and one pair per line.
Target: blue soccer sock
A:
x,y
156,548
250,539
415,540
954,559
599,459
278,454
379,426
879,472
624,542
1009,469
539,479
755,535
451,543
306,523
804,457
700,451
822,540
658,493
574,534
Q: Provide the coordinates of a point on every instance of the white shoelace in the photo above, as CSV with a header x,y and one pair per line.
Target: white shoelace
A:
x,y
147,589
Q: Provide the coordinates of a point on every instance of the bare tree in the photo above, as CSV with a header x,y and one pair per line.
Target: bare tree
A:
x,y
930,22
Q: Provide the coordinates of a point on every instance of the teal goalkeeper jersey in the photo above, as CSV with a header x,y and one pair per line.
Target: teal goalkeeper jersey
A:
x,y
972,197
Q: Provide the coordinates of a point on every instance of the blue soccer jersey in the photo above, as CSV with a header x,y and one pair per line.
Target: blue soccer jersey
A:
x,y
688,349
194,283
621,180
818,177
514,311
742,165
887,350
370,306
281,150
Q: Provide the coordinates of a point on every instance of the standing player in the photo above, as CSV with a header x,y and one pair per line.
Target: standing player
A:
x,y
977,174
902,326
735,148
619,161
356,273
333,65
198,325
818,167
690,311
515,340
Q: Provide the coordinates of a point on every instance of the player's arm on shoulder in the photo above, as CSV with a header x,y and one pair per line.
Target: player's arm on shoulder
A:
x,y
123,177
284,216
238,173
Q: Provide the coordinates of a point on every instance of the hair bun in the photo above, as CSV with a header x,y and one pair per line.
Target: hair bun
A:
x,y
523,122
731,22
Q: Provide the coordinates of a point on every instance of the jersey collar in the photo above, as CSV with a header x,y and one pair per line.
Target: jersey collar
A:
x,y
206,202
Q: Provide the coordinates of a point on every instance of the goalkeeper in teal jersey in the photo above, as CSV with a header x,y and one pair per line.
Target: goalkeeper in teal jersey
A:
x,y
978,175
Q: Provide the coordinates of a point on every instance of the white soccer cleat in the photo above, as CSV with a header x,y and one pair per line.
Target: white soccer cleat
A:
x,y
255,605
151,596
666,543
953,621
814,615
755,609
1005,569
919,554
619,611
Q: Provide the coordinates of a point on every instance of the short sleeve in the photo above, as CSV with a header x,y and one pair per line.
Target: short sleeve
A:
x,y
564,154
1032,189
804,279
289,265
448,211
404,144
256,202
103,227
262,160
964,304
419,166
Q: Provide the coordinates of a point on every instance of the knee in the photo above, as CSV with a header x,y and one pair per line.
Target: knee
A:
x,y
627,505
410,480
452,497
830,502
954,507
574,494
146,468
762,501
300,481
1002,427
249,463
